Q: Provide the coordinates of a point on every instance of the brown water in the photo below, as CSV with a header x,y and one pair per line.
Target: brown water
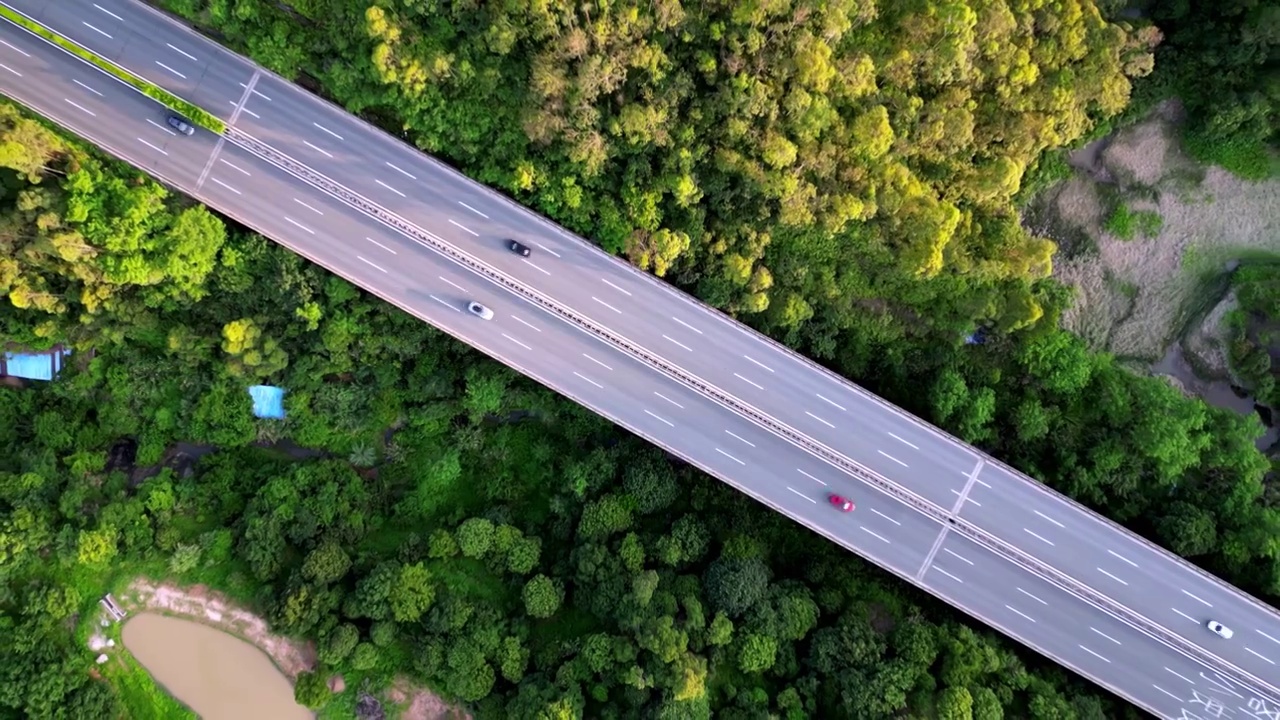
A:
x,y
219,676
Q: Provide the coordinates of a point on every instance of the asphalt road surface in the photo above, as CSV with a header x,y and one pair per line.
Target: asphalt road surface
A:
x,y
410,272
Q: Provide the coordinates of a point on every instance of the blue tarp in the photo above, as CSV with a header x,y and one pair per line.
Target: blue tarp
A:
x,y
268,401
34,366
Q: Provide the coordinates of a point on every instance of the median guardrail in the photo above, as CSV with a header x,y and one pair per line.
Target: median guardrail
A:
x,y
942,515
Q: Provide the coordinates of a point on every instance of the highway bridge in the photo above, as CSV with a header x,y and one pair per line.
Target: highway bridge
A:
x,y
932,510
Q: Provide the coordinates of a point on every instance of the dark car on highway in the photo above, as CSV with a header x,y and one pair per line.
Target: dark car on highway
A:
x,y
181,124
518,248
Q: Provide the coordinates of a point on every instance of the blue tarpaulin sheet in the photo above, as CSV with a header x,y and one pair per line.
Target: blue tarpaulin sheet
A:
x,y
34,366
268,401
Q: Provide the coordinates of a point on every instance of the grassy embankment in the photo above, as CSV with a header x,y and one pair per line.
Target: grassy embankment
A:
x,y
195,114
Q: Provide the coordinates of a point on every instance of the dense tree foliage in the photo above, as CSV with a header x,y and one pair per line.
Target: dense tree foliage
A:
x,y
1222,58
817,167
840,174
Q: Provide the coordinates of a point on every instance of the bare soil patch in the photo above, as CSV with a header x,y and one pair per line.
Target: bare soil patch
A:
x,y
206,606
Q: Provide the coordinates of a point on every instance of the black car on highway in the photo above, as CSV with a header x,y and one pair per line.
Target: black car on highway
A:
x,y
518,248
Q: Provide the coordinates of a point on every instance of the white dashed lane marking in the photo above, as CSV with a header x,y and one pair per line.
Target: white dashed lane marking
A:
x,y
811,477
366,262
668,422
815,417
806,497
893,458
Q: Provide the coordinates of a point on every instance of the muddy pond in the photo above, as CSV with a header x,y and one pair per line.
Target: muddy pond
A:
x,y
218,676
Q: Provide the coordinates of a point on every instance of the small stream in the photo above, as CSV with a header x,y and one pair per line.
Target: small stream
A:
x,y
1218,393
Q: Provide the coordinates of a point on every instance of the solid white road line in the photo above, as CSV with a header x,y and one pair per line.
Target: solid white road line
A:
x,y
1105,635
730,456
108,12
525,323
327,130
953,577
811,477
162,127
874,535
758,387
815,417
100,32
175,72
1264,657
1184,677
6,67
233,166
1193,597
308,207
406,174
544,247
893,458
1036,536
895,437
390,188
464,227
593,297
673,317
677,342
806,497
226,186
1185,615
536,266
1166,692
452,283
74,104
384,247
757,362
366,262
459,202
526,347
153,147
664,397
1021,613
886,517
831,402
1118,555
1046,517
291,221
317,149
1033,597
1092,653
983,484
584,377
86,87
740,438
183,52
446,304
957,494
954,554
1113,577
606,367
668,422
615,287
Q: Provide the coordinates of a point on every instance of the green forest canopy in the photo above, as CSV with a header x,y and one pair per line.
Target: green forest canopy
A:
x,y
839,175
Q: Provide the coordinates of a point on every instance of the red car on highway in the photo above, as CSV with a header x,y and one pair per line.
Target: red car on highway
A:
x,y
842,502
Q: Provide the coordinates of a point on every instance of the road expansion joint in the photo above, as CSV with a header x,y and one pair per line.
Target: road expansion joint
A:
x,y
757,417
945,518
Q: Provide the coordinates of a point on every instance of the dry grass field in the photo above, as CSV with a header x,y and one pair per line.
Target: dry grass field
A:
x,y
1136,296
